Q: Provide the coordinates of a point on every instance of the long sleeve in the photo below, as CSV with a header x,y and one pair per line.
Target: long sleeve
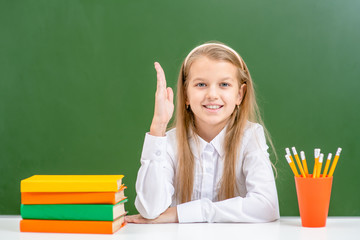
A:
x,y
260,203
154,184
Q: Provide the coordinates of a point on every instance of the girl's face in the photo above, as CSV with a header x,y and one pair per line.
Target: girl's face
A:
x,y
213,92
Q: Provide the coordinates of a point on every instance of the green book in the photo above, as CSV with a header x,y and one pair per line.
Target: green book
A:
x,y
85,212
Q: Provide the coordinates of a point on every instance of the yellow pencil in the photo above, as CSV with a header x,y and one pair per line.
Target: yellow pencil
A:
x,y
333,165
327,165
297,161
292,165
318,169
289,154
314,172
317,155
303,159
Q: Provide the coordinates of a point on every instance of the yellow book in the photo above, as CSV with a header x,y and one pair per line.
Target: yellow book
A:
x,y
72,183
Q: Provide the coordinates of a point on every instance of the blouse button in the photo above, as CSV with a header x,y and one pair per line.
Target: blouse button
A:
x,y
158,153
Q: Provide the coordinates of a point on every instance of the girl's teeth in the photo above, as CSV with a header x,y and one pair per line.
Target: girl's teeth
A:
x,y
213,107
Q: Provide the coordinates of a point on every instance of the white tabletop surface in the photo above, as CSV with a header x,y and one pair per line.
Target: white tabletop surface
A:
x,y
289,228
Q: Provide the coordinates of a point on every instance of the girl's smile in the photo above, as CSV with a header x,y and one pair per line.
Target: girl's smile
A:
x,y
213,107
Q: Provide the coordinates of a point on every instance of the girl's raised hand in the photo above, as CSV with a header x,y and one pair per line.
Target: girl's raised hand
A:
x,y
164,106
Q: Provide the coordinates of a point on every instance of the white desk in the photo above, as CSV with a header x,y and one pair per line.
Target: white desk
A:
x,y
289,228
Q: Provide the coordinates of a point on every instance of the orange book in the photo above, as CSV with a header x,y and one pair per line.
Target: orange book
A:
x,y
73,197
62,226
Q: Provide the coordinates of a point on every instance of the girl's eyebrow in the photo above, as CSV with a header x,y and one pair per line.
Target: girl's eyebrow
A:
x,y
202,79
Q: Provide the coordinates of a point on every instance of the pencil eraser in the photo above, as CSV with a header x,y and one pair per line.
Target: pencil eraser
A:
x,y
302,154
317,152
338,151
294,150
287,151
329,156
288,158
321,158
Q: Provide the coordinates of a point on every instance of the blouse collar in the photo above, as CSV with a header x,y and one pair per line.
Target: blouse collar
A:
x,y
217,143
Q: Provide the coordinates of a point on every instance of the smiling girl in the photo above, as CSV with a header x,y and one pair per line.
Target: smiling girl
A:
x,y
213,165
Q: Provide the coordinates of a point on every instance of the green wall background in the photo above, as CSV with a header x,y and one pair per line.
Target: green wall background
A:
x,y
77,83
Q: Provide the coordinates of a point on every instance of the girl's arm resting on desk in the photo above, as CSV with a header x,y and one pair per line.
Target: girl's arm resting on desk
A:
x,y
154,186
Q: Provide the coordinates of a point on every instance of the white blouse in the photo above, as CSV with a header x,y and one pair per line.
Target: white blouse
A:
x,y
256,196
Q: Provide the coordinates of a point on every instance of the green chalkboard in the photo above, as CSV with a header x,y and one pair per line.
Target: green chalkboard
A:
x,y
77,83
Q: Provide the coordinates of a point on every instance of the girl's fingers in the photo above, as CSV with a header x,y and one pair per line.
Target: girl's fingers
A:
x,y
128,219
161,82
158,85
164,106
137,219
170,94
131,218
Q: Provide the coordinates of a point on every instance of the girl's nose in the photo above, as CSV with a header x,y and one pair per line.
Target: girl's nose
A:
x,y
212,93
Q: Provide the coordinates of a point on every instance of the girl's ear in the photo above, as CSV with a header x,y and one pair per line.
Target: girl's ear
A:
x,y
242,92
187,102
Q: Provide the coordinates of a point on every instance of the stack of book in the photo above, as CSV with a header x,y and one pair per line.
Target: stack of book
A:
x,y
72,204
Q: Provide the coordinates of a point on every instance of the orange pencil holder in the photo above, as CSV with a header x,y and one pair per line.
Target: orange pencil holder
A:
x,y
313,199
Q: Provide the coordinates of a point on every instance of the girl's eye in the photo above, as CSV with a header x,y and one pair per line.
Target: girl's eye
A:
x,y
224,84
200,85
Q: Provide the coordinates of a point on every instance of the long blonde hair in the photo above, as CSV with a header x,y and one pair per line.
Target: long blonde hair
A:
x,y
185,124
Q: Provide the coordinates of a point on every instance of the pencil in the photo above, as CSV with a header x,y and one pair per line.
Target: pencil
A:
x,y
317,155
303,159
333,165
327,165
289,154
297,161
318,170
292,165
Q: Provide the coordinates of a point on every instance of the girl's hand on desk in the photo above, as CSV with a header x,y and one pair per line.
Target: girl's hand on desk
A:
x,y
164,106
169,216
